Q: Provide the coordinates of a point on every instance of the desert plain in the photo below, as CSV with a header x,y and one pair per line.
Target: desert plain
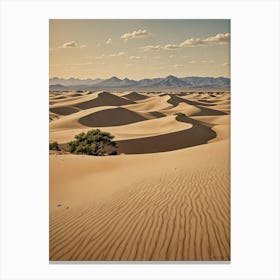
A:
x,y
164,197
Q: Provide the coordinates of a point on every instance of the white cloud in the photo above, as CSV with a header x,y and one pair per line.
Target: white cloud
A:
x,y
109,41
170,47
178,65
172,55
117,54
134,57
135,34
192,61
151,48
72,44
218,39
221,38
193,42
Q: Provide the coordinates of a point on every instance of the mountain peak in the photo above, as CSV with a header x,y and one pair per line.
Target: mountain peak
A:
x,y
114,78
171,77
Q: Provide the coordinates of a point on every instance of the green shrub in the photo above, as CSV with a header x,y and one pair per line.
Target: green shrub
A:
x,y
54,146
94,142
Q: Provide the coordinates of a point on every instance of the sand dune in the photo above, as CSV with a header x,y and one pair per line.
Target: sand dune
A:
x,y
72,101
66,97
111,117
204,110
72,121
166,197
104,99
141,129
198,134
177,211
135,96
67,110
154,103
184,108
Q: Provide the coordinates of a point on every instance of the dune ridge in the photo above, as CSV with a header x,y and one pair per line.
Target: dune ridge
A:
x,y
198,134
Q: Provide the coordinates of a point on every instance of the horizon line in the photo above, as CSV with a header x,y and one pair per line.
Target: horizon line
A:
x,y
138,79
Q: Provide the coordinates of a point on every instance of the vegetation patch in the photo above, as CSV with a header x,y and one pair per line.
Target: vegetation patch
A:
x,y
53,146
95,142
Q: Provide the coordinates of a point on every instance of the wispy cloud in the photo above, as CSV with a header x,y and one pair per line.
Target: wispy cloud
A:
x,y
134,57
135,34
226,64
192,61
170,47
72,44
109,41
151,48
178,65
117,54
102,56
218,39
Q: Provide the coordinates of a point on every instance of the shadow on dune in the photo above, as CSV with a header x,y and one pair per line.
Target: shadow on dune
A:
x,y
207,101
157,114
67,110
104,99
111,117
134,96
175,100
198,134
75,94
58,97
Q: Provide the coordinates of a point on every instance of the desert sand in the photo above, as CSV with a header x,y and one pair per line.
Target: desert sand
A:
x,y
165,197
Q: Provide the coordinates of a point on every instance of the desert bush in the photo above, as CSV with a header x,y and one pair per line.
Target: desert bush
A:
x,y
54,146
94,142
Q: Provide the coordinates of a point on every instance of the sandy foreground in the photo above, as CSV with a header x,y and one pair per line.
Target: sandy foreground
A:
x,y
166,197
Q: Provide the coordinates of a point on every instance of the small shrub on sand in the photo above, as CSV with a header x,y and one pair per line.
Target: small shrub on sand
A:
x,y
95,142
53,146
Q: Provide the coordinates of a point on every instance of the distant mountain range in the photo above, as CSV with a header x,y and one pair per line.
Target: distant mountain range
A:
x,y
114,83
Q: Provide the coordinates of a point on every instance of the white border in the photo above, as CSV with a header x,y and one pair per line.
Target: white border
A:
x,y
255,138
